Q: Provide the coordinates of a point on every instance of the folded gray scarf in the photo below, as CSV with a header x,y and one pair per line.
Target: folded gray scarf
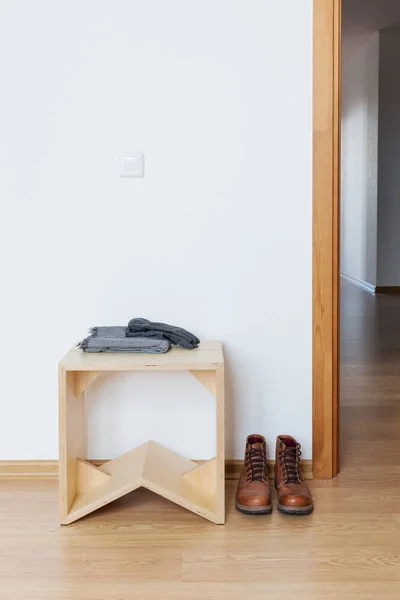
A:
x,y
113,331
94,343
175,335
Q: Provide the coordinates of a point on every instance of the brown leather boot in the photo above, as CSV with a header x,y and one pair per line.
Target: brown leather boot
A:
x,y
294,497
253,494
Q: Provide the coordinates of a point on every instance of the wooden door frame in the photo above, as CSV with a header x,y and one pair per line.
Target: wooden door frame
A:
x,y
326,235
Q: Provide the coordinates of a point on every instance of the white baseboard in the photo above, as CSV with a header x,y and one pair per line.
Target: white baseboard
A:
x,y
362,284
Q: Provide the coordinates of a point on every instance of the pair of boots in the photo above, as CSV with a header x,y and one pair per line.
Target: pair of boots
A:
x,y
253,495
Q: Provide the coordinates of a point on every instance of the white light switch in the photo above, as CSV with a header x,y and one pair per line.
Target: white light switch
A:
x,y
132,165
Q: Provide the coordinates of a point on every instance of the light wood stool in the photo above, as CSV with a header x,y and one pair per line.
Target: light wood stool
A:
x,y
85,488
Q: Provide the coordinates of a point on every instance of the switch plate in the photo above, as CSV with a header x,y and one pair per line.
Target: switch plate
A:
x,y
132,165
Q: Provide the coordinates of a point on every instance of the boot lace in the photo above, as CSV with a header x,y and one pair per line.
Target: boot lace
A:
x,y
289,461
256,465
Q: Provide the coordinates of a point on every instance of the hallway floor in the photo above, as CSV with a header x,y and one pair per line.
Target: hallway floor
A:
x,y
143,547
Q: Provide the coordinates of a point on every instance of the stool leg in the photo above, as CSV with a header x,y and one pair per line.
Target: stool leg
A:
x,y
72,438
220,409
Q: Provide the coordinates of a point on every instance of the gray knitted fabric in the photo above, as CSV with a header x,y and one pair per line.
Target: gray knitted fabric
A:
x,y
94,343
162,331
114,331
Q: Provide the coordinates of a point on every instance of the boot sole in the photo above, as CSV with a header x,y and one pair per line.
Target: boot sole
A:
x,y
254,510
296,510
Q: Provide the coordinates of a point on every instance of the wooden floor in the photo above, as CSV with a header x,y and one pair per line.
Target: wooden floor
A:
x,y
143,547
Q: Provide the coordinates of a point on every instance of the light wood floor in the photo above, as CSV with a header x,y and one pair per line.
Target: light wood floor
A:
x,y
144,548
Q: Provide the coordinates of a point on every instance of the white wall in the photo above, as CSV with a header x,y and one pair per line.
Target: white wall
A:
x,y
359,187
216,237
389,150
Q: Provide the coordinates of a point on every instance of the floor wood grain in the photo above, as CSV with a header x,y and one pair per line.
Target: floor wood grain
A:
x,y
143,547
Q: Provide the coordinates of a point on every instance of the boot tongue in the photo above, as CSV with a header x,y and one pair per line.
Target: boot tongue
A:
x,y
257,446
288,441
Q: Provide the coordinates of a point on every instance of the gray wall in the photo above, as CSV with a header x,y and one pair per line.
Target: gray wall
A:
x,y
389,156
359,182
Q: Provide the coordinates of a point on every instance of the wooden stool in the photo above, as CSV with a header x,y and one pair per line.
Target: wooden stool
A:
x,y
85,488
